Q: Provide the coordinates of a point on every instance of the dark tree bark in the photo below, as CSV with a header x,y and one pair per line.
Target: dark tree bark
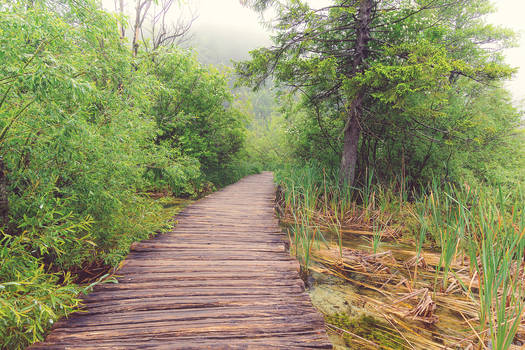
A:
x,y
122,28
352,130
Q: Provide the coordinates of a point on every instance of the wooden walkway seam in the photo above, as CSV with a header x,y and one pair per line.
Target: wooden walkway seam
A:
x,y
221,279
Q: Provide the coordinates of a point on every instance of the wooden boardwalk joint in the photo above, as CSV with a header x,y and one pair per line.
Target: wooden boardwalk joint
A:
x,y
221,279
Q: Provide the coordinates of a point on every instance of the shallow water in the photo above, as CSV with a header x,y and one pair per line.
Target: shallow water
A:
x,y
363,311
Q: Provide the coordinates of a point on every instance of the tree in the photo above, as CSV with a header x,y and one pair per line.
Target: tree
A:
x,y
164,33
366,56
141,11
151,24
194,113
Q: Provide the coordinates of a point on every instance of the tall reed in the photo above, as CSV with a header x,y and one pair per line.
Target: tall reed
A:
x,y
484,224
499,247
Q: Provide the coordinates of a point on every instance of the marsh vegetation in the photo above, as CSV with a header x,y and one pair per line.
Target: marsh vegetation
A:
x,y
444,270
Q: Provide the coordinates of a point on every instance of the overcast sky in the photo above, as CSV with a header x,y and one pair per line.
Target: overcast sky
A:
x,y
511,14
232,16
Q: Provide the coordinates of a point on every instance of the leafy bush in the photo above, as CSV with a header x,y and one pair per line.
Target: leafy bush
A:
x,y
195,114
86,129
31,299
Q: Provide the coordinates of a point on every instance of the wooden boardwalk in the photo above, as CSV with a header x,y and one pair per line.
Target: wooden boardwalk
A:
x,y
221,279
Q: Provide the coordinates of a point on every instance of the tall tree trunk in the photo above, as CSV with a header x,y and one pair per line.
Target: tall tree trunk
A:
x,y
122,28
4,202
352,130
141,10
136,28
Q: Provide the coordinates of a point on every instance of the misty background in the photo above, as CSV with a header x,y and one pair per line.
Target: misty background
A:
x,y
224,31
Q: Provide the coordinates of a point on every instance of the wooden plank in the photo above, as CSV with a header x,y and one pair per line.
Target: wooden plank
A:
x,y
194,328
286,262
175,303
263,246
139,317
180,272
284,340
168,283
262,291
178,322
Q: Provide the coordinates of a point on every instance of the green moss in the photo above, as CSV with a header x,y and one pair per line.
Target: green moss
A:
x,y
170,202
366,327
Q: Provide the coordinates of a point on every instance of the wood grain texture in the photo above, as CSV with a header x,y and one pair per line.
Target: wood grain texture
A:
x,y
221,279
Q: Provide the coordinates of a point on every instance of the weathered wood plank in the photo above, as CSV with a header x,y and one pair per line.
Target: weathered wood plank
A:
x,y
195,328
168,283
221,279
160,303
295,340
139,317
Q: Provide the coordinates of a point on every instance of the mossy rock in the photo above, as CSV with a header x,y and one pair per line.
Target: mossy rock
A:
x,y
366,327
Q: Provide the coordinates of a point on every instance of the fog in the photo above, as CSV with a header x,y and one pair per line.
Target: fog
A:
x,y
510,14
228,30
225,30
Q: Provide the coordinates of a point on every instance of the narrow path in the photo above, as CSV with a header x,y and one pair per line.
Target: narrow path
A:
x,y
221,279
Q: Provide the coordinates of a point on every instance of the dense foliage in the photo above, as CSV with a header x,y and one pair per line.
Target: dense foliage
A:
x,y
194,113
409,88
86,130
